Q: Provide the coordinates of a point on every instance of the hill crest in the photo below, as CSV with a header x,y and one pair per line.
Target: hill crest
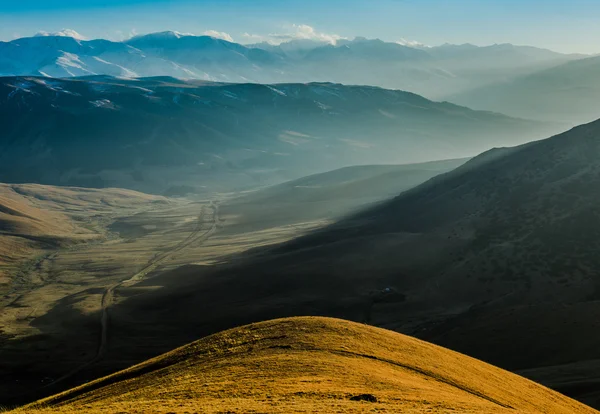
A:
x,y
308,364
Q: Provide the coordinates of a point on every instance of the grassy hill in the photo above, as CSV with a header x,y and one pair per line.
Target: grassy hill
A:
x,y
310,365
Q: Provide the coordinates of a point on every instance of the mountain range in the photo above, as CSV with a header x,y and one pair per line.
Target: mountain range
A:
x,y
434,72
158,134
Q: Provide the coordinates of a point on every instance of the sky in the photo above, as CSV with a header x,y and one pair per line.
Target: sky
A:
x,y
570,26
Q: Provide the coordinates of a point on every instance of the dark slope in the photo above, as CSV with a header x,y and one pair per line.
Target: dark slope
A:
x,y
152,134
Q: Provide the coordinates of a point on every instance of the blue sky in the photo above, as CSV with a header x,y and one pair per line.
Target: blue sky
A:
x,y
566,25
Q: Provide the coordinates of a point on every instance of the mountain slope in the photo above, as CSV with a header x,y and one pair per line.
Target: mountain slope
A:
x,y
518,227
328,195
569,92
311,365
152,134
484,259
496,259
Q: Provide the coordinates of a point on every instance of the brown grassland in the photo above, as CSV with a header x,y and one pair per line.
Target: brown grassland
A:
x,y
310,364
36,219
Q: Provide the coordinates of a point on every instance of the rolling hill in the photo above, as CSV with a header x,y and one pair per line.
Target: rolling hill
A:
x,y
310,365
162,135
569,92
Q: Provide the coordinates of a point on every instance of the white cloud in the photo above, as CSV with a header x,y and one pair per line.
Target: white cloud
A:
x,y
121,36
219,35
255,38
410,43
63,33
295,32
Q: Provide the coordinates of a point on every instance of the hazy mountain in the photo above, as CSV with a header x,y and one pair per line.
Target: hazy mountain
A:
x,y
151,134
503,55
373,50
433,72
295,49
329,195
430,71
569,92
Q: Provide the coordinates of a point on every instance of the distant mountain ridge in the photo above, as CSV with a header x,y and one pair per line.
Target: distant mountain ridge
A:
x,y
569,92
150,134
433,72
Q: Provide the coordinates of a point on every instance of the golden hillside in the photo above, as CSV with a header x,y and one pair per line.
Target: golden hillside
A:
x,y
310,364
36,218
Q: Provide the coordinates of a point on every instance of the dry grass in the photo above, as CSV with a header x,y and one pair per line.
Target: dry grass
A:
x,y
52,314
310,365
37,218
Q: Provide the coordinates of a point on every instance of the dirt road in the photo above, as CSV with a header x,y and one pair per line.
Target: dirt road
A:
x,y
206,226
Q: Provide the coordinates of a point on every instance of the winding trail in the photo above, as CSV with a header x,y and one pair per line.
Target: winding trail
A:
x,y
198,235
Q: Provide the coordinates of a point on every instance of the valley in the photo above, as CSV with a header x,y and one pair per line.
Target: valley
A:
x,y
168,272
267,207
103,279
284,207
60,302
432,262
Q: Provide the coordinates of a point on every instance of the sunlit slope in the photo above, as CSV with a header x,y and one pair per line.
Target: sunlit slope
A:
x,y
38,218
311,364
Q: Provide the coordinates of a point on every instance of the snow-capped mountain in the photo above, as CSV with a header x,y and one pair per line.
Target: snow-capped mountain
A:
x,y
65,56
435,72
